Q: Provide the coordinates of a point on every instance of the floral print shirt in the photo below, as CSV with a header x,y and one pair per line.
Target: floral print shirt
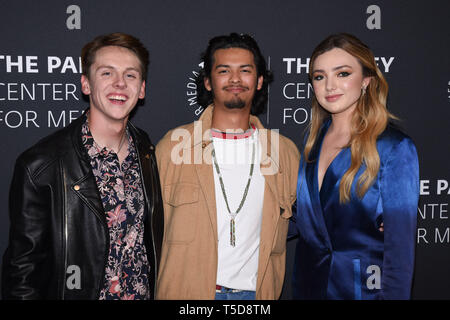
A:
x,y
121,192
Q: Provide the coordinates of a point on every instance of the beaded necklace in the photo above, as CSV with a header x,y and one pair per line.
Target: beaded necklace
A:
x,y
244,196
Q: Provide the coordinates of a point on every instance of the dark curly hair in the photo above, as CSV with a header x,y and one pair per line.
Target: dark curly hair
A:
x,y
234,40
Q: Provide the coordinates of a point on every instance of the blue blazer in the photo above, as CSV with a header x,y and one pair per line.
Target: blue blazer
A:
x,y
341,254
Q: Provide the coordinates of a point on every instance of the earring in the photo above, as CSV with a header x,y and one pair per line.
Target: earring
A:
x,y
363,90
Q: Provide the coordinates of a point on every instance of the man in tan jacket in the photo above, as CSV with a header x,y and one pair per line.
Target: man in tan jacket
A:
x,y
228,185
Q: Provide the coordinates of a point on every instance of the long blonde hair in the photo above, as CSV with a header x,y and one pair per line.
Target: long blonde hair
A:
x,y
369,119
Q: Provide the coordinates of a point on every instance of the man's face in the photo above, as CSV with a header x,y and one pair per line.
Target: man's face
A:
x,y
233,80
115,83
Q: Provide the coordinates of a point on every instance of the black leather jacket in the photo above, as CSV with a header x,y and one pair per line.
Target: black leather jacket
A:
x,y
58,226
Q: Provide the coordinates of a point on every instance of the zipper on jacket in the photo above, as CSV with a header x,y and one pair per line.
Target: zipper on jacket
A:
x,y
65,233
153,243
151,210
105,261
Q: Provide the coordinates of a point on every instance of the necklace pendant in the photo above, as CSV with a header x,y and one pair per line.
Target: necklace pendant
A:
x,y
232,232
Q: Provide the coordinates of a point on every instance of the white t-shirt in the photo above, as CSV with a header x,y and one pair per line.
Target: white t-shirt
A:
x,y
238,266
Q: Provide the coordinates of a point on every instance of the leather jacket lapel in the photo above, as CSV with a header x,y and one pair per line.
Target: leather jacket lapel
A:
x,y
86,189
145,154
82,180
311,175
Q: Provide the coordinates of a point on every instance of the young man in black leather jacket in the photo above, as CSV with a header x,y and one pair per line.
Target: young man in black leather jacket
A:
x,y
85,202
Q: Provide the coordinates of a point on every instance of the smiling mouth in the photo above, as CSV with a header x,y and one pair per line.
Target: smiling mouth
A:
x,y
235,89
333,97
117,98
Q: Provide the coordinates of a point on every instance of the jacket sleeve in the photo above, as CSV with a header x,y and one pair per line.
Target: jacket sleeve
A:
x,y
23,275
400,196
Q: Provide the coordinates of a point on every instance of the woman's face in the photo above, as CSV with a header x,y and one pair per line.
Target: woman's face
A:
x,y
337,80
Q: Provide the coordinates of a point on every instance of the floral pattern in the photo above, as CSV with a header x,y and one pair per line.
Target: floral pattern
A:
x,y
127,268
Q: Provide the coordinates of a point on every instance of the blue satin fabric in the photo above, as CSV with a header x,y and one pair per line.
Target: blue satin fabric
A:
x,y
340,250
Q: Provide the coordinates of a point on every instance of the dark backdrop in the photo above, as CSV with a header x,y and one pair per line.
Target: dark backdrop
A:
x,y
40,72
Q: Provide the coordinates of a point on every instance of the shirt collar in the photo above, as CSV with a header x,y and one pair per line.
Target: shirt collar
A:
x,y
93,149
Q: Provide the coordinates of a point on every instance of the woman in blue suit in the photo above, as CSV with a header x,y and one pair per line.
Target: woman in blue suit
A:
x,y
358,184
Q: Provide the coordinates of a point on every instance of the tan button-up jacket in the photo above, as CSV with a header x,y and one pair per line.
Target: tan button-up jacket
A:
x,y
189,255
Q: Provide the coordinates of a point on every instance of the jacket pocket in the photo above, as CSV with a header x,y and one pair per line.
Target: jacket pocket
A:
x,y
182,209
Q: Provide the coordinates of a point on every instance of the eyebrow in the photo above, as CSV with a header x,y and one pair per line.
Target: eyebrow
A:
x,y
334,69
111,67
228,66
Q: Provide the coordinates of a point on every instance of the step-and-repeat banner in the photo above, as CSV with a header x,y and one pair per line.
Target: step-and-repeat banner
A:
x,y
40,80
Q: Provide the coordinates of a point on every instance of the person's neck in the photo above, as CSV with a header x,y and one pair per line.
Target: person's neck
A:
x,y
340,126
224,119
107,133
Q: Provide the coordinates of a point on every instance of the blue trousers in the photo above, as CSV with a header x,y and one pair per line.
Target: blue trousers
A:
x,y
227,294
